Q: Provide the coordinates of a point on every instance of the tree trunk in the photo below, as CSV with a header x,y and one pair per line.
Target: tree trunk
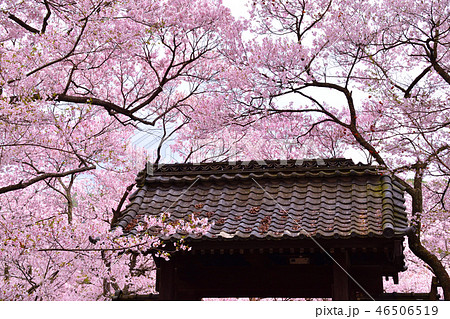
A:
x,y
414,241
439,270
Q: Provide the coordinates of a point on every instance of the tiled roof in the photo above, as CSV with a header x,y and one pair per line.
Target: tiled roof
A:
x,y
331,198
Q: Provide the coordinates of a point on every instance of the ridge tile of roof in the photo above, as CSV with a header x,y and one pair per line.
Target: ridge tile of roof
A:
x,y
249,166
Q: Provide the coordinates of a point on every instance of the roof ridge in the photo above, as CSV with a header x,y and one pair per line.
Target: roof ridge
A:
x,y
253,165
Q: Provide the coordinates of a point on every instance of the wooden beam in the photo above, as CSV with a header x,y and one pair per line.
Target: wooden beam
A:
x,y
338,244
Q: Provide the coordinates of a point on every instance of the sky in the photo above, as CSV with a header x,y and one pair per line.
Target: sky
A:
x,y
238,7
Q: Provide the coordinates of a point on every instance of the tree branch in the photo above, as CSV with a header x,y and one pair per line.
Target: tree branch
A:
x,y
23,24
108,106
416,80
47,16
72,50
116,212
75,250
22,184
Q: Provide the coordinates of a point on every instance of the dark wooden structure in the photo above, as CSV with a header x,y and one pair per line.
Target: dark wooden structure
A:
x,y
316,228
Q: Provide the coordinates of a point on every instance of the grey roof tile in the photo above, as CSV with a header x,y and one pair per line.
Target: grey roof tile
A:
x,y
337,199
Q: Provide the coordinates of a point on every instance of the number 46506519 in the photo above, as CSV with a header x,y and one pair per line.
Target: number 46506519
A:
x,y
407,310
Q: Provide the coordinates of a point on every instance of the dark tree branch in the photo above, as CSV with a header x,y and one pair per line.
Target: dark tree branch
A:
x,y
109,106
443,194
441,71
116,212
416,80
75,250
30,28
72,50
22,184
47,16
23,24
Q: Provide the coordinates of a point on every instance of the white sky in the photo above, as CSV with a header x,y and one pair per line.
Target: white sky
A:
x,y
238,7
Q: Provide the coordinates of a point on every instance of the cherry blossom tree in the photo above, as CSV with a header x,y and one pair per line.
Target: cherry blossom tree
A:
x,y
128,57
299,78
368,76
76,81
55,228
137,61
